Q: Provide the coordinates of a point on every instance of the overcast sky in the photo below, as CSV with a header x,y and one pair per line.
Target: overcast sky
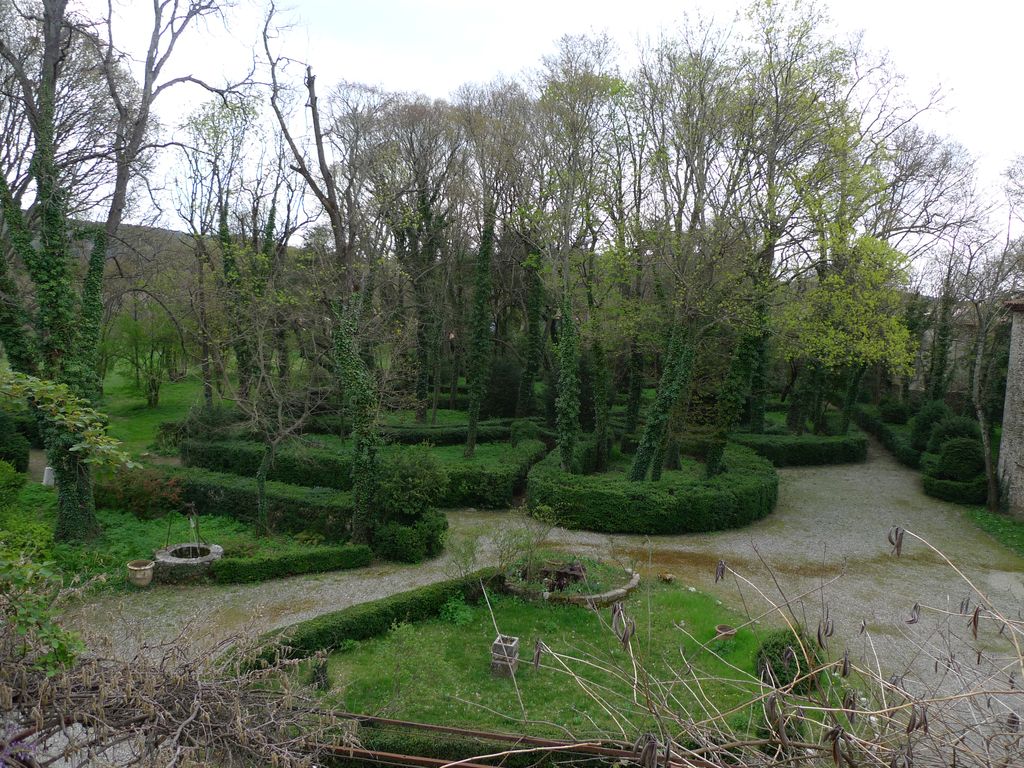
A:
x,y
433,46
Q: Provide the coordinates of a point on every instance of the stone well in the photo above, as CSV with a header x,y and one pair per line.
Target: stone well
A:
x,y
183,563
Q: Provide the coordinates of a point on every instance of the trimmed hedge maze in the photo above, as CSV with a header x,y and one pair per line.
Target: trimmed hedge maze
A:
x,y
610,503
806,450
490,480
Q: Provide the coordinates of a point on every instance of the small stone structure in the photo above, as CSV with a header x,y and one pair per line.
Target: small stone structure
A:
x,y
590,601
183,563
505,656
1011,446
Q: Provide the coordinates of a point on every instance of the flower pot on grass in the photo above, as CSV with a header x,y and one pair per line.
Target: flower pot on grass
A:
x,y
140,572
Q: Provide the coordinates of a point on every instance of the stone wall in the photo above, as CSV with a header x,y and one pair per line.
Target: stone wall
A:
x,y
1011,448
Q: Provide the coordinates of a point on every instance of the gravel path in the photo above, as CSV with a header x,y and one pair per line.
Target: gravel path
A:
x,y
829,529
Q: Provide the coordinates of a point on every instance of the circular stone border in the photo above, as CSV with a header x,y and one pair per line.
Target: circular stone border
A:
x,y
170,569
610,503
591,601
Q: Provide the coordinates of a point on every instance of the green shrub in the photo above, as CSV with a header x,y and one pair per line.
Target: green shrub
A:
x,y
960,492
952,427
894,412
202,421
456,612
11,482
931,413
292,509
502,388
746,491
313,560
961,458
412,543
411,481
146,493
780,657
807,449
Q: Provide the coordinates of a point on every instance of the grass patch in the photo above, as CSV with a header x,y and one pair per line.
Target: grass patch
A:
x,y
1005,530
600,577
132,421
438,670
27,525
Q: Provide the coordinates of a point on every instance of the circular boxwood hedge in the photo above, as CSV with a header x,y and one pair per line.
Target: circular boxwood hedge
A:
x,y
808,449
610,503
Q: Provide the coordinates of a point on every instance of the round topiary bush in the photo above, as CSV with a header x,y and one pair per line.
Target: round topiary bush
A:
x,y
894,412
952,427
745,491
931,413
961,458
782,658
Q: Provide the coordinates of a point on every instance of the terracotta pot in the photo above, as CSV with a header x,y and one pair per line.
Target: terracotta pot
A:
x,y
140,572
723,631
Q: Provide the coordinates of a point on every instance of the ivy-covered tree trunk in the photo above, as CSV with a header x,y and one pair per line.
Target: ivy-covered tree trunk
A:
x,y
636,387
732,398
233,284
602,394
850,399
675,378
534,339
478,369
567,404
362,409
937,378
800,398
266,463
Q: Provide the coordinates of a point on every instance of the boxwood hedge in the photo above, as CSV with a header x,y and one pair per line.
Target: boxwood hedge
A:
x,y
359,622
807,449
488,431
609,503
491,485
970,492
313,560
897,441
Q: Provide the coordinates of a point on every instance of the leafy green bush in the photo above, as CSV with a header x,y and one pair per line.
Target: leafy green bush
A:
x,y
896,441
894,412
11,481
313,560
456,612
961,458
146,493
952,427
411,481
359,622
807,449
781,657
931,413
412,543
746,491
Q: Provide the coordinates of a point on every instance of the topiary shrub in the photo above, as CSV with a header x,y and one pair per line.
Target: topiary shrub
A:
x,y
11,482
806,450
412,543
523,429
961,458
959,492
783,657
411,481
894,412
491,482
931,413
951,427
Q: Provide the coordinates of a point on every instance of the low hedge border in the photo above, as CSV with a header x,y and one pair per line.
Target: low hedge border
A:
x,y
960,492
328,631
806,450
236,570
488,431
292,508
610,503
898,445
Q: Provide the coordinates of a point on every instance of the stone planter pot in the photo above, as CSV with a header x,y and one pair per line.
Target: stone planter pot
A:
x,y
140,572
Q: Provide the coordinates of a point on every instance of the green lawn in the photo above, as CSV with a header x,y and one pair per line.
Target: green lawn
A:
x,y
27,525
132,421
1006,530
438,671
